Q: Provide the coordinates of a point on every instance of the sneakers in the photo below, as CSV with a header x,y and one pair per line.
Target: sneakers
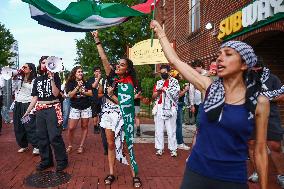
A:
x,y
21,150
174,153
254,177
159,152
280,180
183,147
35,151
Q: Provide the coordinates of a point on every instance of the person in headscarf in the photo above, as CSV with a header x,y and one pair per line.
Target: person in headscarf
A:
x,y
232,107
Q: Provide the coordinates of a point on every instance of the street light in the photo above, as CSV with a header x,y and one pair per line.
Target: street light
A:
x,y
209,26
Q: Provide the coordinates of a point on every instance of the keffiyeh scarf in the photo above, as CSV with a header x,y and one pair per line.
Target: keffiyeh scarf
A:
x,y
215,96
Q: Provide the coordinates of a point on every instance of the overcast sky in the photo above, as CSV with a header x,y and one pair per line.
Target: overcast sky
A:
x,y
35,40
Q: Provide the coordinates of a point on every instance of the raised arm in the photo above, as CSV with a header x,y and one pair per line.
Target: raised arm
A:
x,y
200,82
102,53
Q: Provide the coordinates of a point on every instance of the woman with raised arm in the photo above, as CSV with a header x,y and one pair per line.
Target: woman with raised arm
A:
x,y
118,113
79,92
228,115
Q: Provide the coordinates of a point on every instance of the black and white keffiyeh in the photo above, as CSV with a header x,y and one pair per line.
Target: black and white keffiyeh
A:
x,y
274,94
215,96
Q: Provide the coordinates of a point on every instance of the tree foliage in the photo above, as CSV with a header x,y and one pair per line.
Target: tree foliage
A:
x,y
6,41
115,41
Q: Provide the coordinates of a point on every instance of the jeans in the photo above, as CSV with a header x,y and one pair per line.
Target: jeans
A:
x,y
5,114
179,123
66,112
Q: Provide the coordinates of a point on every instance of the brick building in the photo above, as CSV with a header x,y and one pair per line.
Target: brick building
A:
x,y
255,22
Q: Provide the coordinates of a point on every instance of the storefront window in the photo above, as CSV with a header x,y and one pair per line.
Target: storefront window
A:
x,y
194,15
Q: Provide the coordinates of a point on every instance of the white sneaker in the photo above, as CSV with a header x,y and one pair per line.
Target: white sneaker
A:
x,y
159,152
21,150
174,153
35,151
280,180
253,178
183,147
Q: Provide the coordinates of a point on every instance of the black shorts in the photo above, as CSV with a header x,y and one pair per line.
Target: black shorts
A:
x,y
96,109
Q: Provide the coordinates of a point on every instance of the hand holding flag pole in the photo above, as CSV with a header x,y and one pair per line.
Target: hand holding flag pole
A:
x,y
153,9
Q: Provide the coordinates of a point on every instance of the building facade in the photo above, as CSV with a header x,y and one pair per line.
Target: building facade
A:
x,y
14,61
198,27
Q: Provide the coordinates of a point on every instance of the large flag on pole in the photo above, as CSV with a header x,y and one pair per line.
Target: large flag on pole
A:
x,y
84,15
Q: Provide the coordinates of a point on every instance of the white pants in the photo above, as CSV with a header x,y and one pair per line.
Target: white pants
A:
x,y
170,125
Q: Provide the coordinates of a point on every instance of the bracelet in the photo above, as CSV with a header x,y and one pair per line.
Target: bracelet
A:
x,y
162,37
98,43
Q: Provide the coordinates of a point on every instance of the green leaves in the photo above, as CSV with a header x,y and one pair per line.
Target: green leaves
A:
x,y
6,41
115,40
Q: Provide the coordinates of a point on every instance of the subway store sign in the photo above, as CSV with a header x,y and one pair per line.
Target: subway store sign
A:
x,y
253,16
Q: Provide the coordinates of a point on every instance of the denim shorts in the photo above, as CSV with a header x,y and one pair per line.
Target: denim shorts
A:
x,y
77,114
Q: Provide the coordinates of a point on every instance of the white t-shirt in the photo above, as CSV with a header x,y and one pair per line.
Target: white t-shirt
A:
x,y
23,91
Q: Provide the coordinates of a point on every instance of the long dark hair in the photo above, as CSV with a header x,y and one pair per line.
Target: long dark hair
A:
x,y
72,74
39,71
131,70
250,77
32,73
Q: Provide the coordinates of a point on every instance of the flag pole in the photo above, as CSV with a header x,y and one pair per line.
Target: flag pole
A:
x,y
153,9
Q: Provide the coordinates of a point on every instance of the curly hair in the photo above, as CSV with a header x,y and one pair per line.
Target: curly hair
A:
x,y
131,70
72,74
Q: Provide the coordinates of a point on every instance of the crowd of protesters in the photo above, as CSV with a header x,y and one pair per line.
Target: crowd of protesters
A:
x,y
237,83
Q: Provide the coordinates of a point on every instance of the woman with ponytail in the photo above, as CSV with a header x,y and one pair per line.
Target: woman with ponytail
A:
x,y
232,108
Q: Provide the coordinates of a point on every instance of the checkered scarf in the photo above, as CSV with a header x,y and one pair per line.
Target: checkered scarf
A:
x,y
273,94
215,95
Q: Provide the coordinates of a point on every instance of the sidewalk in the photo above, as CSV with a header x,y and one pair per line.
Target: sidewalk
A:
x,y
89,169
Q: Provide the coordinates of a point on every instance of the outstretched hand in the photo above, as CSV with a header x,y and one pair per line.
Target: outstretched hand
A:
x,y
95,34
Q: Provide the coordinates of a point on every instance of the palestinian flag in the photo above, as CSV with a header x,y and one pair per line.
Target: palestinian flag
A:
x,y
84,15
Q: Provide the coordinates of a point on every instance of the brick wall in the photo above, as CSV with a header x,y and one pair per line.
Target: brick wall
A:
x,y
267,41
